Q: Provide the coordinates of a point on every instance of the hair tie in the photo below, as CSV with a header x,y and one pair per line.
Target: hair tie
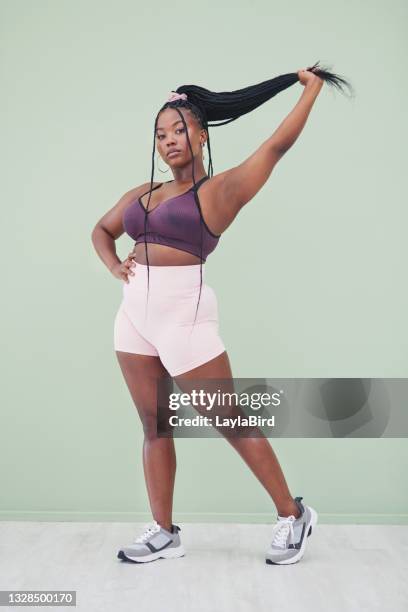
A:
x,y
176,96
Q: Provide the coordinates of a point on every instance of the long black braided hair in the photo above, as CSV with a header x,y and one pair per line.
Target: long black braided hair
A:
x,y
226,106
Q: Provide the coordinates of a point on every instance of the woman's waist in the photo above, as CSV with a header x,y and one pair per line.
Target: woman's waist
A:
x,y
168,279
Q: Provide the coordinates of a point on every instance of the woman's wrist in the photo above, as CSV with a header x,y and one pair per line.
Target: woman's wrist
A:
x,y
113,264
314,85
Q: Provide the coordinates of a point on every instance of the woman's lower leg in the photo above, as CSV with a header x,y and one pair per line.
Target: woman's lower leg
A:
x,y
260,457
256,452
159,464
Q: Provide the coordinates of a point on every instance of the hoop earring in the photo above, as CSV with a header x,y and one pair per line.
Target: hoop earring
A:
x,y
157,163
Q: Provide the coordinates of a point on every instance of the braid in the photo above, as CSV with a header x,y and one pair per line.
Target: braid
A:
x,y
230,105
146,214
227,106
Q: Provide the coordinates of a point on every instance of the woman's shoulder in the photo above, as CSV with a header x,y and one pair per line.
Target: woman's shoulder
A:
x,y
137,191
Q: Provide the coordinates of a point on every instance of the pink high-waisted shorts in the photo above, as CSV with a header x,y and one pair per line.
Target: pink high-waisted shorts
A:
x,y
165,329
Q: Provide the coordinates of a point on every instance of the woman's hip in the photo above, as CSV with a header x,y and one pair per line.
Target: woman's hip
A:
x,y
172,296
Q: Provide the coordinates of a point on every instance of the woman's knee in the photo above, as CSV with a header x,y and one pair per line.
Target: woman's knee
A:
x,y
156,426
149,423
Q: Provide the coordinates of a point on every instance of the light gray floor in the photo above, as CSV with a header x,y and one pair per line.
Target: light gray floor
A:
x,y
346,568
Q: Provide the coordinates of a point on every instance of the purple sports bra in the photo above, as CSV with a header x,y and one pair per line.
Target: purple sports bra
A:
x,y
174,222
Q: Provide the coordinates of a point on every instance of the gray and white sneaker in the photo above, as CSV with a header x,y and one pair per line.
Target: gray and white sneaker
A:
x,y
290,536
155,543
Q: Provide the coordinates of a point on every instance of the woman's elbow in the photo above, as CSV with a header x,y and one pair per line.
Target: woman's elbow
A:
x,y
98,232
95,231
101,230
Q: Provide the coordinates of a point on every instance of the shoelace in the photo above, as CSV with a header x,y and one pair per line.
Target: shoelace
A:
x,y
281,531
150,529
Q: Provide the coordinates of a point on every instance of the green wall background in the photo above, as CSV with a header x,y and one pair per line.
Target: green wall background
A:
x,y
309,277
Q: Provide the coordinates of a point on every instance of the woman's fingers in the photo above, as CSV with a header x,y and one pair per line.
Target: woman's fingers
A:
x,y
127,265
126,273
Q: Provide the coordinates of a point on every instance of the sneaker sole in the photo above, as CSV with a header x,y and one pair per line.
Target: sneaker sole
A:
x,y
170,553
299,555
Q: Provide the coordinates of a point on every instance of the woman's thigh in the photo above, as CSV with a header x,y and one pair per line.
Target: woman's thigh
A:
x,y
219,367
142,374
215,379
209,377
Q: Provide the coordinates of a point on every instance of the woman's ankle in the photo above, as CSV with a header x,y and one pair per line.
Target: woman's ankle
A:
x,y
165,525
289,509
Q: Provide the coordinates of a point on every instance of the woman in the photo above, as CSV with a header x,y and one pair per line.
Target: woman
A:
x,y
176,225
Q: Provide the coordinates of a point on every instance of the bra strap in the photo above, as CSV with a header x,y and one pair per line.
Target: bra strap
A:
x,y
202,179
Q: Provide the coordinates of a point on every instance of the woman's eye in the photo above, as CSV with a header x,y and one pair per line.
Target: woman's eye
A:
x,y
159,136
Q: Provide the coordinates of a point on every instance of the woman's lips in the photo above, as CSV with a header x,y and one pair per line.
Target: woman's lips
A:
x,y
173,153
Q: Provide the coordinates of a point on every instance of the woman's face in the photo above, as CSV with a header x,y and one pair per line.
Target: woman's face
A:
x,y
171,135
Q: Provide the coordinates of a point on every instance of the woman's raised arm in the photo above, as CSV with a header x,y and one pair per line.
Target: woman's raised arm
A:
x,y
241,183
